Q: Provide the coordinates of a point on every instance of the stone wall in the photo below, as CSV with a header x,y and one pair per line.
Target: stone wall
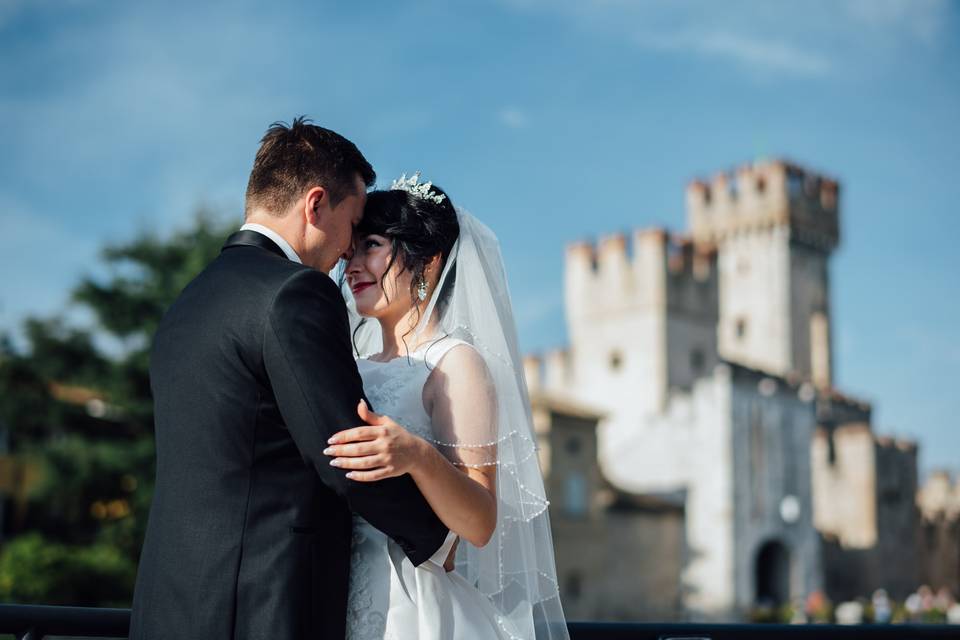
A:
x,y
864,492
772,422
898,519
845,485
619,555
939,556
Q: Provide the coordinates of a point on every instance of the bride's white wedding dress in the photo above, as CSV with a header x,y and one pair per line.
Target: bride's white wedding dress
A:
x,y
390,598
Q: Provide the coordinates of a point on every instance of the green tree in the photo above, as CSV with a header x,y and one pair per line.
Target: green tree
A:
x,y
78,422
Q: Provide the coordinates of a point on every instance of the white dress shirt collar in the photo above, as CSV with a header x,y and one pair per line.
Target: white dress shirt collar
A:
x,y
276,237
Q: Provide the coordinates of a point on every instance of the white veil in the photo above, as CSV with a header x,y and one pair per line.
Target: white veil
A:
x,y
516,569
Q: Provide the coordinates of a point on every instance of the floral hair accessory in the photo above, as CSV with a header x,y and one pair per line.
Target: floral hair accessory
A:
x,y
413,186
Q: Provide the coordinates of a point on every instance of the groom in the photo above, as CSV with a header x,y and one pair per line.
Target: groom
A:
x,y
251,371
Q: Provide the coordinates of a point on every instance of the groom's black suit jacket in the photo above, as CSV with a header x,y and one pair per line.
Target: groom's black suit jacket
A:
x,y
249,531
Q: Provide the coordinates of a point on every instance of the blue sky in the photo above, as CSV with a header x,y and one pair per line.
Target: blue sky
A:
x,y
551,120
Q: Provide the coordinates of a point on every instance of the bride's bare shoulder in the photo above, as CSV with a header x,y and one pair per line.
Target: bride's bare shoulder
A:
x,y
461,368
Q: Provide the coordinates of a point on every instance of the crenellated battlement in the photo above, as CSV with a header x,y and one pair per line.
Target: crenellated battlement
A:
x,y
686,258
835,408
939,497
619,262
765,195
650,268
640,305
549,372
897,444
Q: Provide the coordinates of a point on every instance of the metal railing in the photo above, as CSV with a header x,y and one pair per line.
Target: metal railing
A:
x,y
693,631
33,622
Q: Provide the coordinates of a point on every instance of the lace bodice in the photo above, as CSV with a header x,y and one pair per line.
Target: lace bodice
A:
x,y
395,387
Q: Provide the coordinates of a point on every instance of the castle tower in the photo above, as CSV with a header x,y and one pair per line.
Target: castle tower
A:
x,y
642,315
774,225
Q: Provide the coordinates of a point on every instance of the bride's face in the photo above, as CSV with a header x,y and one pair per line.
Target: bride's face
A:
x,y
378,296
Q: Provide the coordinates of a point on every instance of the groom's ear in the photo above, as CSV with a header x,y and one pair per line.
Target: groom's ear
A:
x,y
314,203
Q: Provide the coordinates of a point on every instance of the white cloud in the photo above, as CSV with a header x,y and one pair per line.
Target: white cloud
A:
x,y
809,39
922,20
769,55
513,117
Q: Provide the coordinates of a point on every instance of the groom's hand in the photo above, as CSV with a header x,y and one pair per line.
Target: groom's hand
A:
x,y
383,449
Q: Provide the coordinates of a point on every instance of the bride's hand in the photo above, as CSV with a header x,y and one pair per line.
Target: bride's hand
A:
x,y
382,450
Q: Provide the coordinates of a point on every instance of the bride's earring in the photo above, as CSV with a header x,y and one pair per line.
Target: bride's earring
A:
x,y
422,290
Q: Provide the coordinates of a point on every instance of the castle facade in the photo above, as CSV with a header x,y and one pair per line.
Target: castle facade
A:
x,y
707,357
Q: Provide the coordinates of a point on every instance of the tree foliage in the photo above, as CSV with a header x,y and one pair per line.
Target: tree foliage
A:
x,y
77,417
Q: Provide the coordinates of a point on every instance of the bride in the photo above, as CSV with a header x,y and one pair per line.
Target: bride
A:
x,y
435,335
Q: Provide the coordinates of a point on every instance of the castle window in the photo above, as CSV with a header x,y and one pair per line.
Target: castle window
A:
x,y
697,360
761,185
741,327
794,184
575,495
616,360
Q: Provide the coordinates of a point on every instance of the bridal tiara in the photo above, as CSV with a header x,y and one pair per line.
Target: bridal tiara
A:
x,y
414,187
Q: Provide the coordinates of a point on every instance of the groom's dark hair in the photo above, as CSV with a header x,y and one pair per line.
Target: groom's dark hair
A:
x,y
293,158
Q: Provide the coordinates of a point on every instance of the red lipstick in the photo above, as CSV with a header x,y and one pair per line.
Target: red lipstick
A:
x,y
360,286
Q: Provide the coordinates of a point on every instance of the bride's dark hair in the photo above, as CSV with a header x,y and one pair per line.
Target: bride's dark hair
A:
x,y
418,230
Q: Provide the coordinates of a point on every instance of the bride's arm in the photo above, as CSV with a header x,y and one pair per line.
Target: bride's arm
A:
x,y
461,490
459,482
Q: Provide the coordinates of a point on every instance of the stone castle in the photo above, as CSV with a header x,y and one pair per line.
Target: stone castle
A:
x,y
704,363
